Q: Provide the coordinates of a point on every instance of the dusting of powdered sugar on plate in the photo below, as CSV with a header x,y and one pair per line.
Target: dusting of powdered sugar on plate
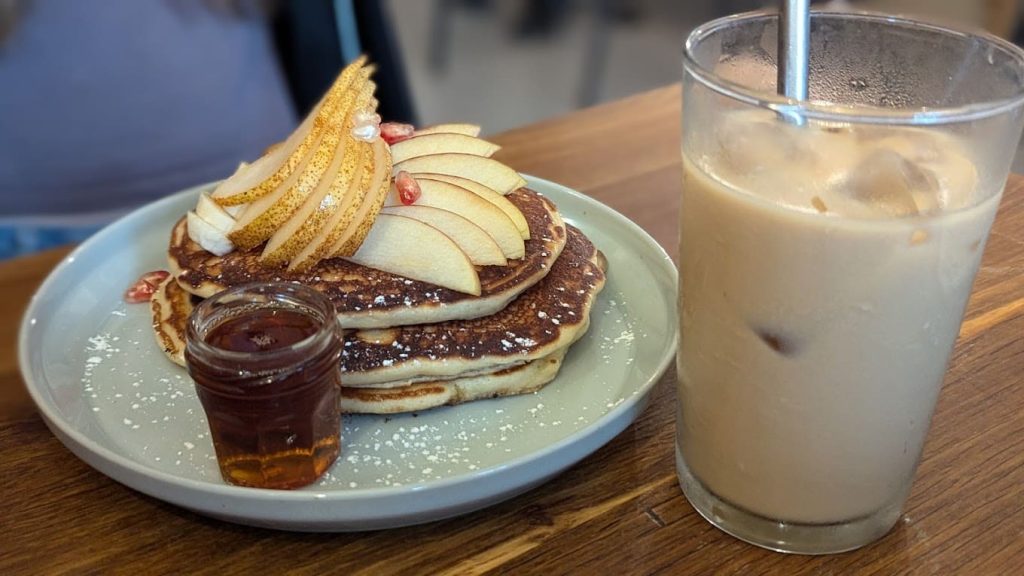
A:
x,y
148,407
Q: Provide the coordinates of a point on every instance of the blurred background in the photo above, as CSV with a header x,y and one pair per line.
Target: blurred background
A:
x,y
109,104
505,63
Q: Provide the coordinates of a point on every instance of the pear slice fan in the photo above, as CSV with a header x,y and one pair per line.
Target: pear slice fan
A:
x,y
328,191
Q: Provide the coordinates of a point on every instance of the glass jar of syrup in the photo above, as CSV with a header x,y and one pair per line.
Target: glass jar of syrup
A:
x,y
265,360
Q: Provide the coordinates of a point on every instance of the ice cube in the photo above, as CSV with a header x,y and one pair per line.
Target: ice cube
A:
x,y
915,145
750,143
889,182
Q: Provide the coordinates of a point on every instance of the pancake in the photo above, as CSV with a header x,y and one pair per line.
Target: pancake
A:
x,y
522,371
369,298
545,319
548,317
171,306
521,379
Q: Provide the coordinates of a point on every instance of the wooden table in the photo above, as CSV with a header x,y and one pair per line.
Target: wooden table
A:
x,y
619,511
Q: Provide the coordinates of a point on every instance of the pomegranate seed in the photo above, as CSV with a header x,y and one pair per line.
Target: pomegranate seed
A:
x,y
408,189
144,288
393,132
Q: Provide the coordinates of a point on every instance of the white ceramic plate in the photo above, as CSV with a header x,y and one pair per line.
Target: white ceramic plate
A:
x,y
106,391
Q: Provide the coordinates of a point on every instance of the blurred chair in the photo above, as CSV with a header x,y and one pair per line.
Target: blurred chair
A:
x,y
317,38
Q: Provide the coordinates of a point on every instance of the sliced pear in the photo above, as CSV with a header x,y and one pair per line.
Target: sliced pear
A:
x,y
471,239
338,224
267,214
510,209
353,162
302,226
374,179
269,171
234,209
486,171
252,181
467,129
251,237
412,249
212,212
364,218
472,207
211,238
426,144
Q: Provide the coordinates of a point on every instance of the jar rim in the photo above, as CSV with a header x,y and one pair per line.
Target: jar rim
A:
x,y
299,297
827,112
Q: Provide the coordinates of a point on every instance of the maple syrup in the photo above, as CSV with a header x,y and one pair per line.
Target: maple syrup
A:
x,y
265,360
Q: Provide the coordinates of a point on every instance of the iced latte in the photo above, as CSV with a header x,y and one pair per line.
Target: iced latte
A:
x,y
827,251
824,270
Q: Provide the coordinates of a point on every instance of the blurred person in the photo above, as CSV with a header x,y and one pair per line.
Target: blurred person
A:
x,y
107,105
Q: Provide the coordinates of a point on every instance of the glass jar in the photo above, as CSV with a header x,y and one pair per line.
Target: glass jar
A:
x,y
265,360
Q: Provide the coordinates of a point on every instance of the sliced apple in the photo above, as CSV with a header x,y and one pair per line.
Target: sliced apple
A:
x,y
510,209
467,129
439,143
415,250
211,238
267,214
486,171
472,207
471,239
268,172
212,212
374,179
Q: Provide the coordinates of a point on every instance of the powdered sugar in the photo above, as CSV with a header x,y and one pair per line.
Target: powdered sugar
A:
x,y
146,409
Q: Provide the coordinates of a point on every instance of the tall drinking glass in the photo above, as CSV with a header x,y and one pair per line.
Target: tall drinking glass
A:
x,y
827,250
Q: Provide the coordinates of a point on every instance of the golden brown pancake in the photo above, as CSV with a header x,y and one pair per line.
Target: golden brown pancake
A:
x,y
547,317
520,379
418,367
171,306
369,298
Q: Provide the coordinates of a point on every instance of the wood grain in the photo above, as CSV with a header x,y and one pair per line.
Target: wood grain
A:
x,y
618,511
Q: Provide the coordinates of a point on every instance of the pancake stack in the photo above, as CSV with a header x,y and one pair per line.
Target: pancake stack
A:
x,y
408,345
452,281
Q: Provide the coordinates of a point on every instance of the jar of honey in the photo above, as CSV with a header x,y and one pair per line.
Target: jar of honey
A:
x,y
265,360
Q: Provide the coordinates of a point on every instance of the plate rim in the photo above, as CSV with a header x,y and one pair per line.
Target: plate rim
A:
x,y
65,430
